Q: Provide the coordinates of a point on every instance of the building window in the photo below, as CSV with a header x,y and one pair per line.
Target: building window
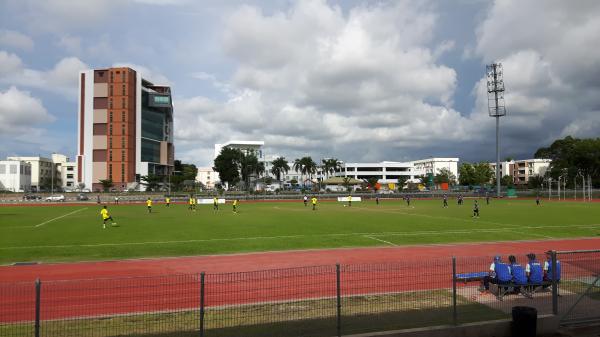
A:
x,y
122,172
110,103
110,129
112,77
123,142
123,90
2,169
110,142
69,176
123,155
123,116
110,90
110,116
70,168
110,171
13,169
123,103
123,76
109,155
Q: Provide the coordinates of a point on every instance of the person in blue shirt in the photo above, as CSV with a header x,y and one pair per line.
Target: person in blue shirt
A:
x,y
548,269
534,270
518,273
499,273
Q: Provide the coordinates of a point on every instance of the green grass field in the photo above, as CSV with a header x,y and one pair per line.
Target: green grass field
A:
x,y
74,233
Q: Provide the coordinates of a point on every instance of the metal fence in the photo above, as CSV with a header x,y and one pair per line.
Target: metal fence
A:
x,y
309,301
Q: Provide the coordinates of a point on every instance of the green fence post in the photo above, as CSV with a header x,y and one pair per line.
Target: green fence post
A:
x,y
454,312
202,304
38,292
339,300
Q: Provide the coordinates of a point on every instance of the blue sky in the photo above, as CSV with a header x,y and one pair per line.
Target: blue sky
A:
x,y
356,80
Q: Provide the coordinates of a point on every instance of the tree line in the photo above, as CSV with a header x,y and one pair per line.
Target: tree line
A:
x,y
237,167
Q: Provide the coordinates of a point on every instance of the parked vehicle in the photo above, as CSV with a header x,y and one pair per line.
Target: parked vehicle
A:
x,y
57,198
31,197
82,197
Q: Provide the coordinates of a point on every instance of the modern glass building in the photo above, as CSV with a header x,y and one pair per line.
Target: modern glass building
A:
x,y
125,128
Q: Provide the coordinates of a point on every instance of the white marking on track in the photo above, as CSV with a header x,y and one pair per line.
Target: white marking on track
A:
x,y
60,217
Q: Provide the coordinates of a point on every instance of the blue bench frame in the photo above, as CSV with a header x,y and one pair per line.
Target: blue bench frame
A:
x,y
504,289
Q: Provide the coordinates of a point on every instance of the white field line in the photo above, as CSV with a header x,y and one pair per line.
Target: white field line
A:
x,y
466,231
60,217
389,243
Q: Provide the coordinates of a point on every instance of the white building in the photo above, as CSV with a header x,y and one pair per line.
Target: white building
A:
x,y
41,171
15,176
388,172
505,168
67,171
246,146
207,176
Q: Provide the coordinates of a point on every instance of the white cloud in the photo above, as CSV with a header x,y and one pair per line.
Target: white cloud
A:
x,y
311,79
9,64
71,44
14,39
551,68
62,78
20,113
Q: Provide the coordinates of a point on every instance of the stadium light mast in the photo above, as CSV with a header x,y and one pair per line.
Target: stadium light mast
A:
x,y
496,108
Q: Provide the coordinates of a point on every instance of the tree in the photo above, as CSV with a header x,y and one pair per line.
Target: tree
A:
x,y
507,181
81,187
482,173
572,156
466,174
444,175
331,165
535,181
250,166
305,165
279,166
373,183
346,183
227,164
151,181
106,184
401,182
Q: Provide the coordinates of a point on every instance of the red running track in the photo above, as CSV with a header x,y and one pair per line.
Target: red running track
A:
x,y
115,287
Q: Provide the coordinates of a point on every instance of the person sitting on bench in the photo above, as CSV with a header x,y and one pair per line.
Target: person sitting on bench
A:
x,y
499,274
518,273
548,269
534,270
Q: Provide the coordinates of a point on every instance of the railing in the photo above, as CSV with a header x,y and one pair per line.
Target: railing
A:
x,y
308,301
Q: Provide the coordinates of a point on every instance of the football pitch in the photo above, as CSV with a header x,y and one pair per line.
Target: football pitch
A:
x,y
74,233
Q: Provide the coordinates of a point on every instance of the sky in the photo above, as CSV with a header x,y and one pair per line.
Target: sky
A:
x,y
353,80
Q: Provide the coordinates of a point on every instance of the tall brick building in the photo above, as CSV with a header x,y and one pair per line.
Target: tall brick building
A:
x,y
125,128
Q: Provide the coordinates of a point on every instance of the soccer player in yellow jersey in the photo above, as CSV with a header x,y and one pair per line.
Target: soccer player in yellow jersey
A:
x,y
168,201
313,200
350,200
149,204
235,203
215,204
106,217
191,203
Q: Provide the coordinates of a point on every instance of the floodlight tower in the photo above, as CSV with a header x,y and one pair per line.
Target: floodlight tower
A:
x,y
496,108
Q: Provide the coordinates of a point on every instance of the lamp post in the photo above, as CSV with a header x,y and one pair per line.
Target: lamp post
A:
x,y
496,108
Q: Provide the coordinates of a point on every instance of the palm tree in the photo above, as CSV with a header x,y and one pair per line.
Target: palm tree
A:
x,y
309,166
280,165
298,166
331,165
